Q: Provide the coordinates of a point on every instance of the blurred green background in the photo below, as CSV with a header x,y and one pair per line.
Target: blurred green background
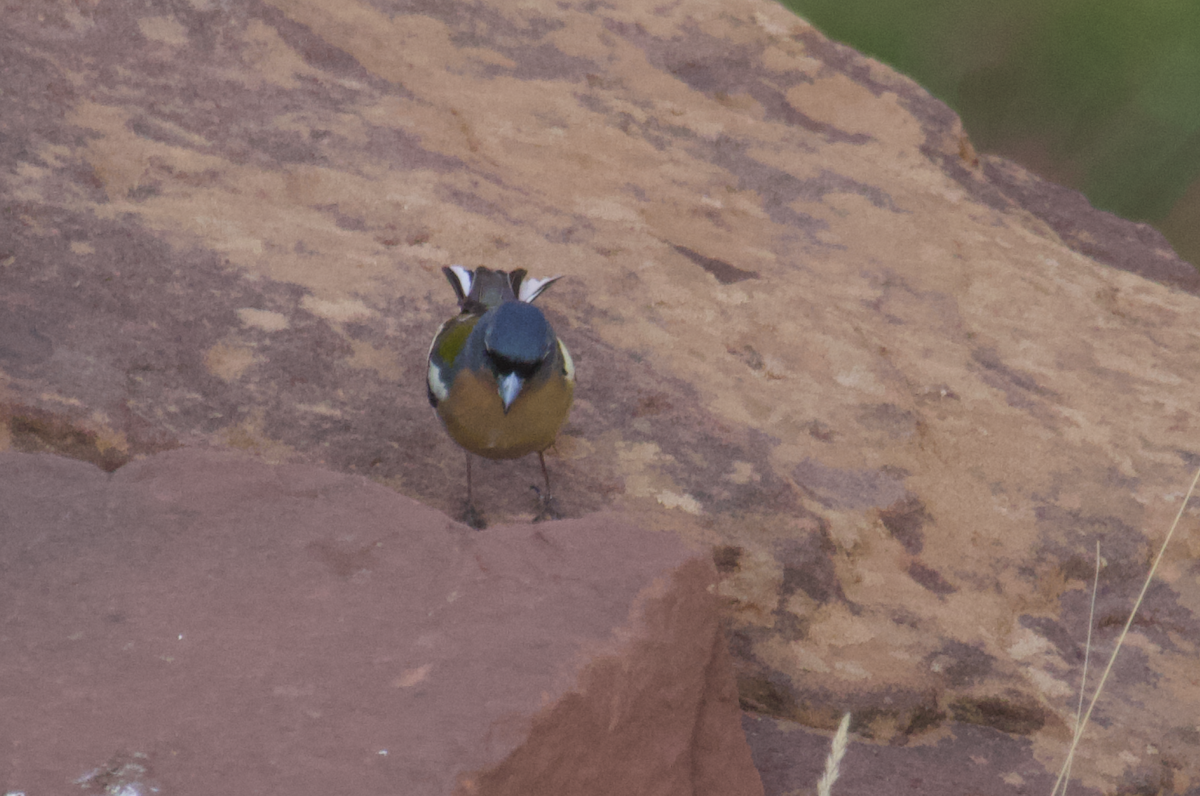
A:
x,y
1099,95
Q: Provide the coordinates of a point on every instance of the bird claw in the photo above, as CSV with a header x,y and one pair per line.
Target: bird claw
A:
x,y
472,517
547,507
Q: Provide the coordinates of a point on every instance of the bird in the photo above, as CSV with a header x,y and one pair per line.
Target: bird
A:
x,y
500,379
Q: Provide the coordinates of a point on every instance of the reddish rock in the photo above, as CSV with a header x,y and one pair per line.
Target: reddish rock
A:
x,y
204,623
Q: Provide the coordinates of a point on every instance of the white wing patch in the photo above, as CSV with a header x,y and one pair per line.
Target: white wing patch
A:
x,y
464,277
532,288
568,363
436,385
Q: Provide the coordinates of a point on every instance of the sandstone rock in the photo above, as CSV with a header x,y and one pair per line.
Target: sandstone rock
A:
x,y
901,389
201,622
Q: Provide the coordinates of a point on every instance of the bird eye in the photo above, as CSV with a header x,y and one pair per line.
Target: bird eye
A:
x,y
504,365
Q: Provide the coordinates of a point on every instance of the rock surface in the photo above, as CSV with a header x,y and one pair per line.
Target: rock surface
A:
x,y
201,622
903,390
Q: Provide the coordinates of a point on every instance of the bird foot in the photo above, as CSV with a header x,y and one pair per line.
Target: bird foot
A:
x,y
472,517
547,507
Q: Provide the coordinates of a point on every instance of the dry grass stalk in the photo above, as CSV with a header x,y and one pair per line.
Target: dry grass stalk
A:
x,y
833,763
1081,725
1087,657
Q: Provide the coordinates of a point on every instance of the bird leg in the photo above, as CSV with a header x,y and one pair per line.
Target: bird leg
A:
x,y
471,515
547,505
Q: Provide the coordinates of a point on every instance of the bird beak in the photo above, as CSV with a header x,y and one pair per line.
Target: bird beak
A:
x,y
510,388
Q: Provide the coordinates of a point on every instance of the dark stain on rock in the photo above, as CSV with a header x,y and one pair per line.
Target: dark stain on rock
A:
x,y
703,459
741,647
1017,387
1133,666
923,717
1149,779
821,431
905,521
725,273
808,567
1057,634
648,128
905,618
726,558
889,419
720,68
848,61
320,54
840,488
474,26
961,664
541,61
777,189
403,150
1160,617
474,203
144,191
524,44
341,220
769,694
1069,536
1009,713
911,712
930,578
1186,735
827,182
653,404
789,627
749,357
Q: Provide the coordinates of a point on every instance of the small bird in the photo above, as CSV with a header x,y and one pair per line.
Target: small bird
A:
x,y
499,378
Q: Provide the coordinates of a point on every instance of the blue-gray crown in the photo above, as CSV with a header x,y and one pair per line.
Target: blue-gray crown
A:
x,y
519,335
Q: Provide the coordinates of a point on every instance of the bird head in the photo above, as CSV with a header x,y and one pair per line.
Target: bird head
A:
x,y
517,341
